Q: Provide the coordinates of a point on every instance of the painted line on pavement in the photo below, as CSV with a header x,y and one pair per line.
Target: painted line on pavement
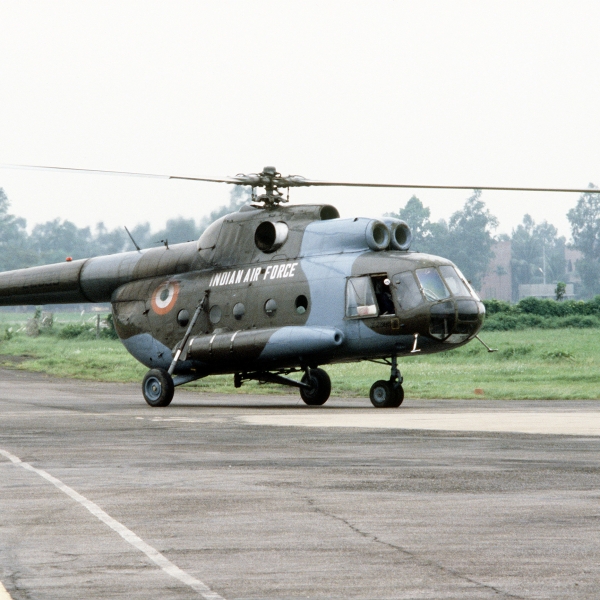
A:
x,y
4,595
545,423
154,555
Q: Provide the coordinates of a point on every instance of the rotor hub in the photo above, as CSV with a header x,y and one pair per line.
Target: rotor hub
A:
x,y
271,180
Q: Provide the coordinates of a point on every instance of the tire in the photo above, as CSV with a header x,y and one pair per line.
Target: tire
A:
x,y
320,388
397,394
158,388
383,395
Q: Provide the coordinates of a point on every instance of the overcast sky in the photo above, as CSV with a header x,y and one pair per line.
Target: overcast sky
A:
x,y
454,92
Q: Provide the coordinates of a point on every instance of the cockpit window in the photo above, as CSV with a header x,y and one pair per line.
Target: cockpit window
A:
x,y
466,282
454,282
360,298
432,285
408,292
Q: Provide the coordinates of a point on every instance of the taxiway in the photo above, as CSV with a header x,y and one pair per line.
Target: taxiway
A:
x,y
263,497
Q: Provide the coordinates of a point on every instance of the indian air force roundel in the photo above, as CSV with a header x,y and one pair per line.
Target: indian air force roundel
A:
x,y
164,297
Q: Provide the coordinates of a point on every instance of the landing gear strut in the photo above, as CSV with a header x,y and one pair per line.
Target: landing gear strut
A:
x,y
315,385
158,386
388,394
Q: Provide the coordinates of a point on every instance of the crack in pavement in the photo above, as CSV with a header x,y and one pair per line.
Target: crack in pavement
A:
x,y
413,556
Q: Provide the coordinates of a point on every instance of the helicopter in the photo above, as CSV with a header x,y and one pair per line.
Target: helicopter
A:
x,y
270,291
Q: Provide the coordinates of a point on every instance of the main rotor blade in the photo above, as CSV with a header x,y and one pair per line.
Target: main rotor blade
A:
x,y
309,182
121,173
259,180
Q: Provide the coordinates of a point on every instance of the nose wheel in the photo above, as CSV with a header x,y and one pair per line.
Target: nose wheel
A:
x,y
388,394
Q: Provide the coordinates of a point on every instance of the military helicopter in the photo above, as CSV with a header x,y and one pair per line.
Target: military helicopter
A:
x,y
270,291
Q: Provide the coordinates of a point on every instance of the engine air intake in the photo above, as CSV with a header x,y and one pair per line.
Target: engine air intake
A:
x,y
401,235
378,235
270,236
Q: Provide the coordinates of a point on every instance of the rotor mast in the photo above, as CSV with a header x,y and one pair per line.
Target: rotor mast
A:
x,y
272,196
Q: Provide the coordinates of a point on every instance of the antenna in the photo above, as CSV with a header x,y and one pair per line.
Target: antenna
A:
x,y
134,242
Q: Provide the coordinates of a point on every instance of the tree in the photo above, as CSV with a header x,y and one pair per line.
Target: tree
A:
x,y
416,217
470,239
538,253
14,249
585,229
109,242
56,240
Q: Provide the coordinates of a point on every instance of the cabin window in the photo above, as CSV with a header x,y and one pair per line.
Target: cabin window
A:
x,y
215,314
183,317
360,298
239,310
408,292
271,307
432,285
301,304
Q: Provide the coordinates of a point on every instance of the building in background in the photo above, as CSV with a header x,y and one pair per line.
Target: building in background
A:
x,y
498,284
544,290
571,258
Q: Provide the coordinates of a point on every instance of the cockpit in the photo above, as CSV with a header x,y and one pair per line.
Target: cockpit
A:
x,y
454,309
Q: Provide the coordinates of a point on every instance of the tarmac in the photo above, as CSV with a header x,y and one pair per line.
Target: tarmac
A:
x,y
248,497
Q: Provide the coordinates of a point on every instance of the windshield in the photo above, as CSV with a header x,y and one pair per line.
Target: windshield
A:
x,y
466,282
432,285
454,282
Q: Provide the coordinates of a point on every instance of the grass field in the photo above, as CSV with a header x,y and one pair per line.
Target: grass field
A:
x,y
544,364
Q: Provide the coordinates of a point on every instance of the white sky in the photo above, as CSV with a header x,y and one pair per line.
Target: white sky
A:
x,y
449,92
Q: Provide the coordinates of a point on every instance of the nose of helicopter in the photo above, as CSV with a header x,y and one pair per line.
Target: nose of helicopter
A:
x,y
439,301
454,321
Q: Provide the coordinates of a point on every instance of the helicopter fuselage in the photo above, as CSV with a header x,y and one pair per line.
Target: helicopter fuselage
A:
x,y
267,290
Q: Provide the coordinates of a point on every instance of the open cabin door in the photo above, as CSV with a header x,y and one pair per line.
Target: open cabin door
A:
x,y
369,296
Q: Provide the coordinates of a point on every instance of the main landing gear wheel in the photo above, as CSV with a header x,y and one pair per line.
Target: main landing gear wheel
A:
x,y
386,394
320,387
158,388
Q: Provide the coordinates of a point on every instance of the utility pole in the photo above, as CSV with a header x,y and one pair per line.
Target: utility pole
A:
x,y
544,259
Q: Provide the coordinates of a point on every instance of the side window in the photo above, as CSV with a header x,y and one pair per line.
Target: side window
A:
x,y
360,298
432,285
408,292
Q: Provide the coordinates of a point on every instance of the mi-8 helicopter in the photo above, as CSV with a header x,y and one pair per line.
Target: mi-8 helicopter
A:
x,y
270,291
